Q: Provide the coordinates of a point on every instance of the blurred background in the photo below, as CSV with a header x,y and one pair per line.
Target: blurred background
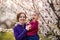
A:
x,y
49,10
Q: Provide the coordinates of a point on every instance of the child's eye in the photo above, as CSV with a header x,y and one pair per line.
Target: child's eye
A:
x,y
34,15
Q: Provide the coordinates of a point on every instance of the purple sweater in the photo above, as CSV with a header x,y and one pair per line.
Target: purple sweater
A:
x,y
20,32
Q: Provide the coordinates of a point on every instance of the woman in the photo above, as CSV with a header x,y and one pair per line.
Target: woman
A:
x,y
21,29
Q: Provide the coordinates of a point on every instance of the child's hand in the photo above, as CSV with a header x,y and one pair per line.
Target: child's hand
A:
x,y
28,27
27,23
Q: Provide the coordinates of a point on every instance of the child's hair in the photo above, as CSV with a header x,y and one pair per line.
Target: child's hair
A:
x,y
18,15
37,13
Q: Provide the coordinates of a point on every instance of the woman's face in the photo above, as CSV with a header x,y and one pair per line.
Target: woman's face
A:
x,y
22,18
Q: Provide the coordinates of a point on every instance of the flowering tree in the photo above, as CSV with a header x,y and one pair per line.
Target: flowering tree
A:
x,y
49,11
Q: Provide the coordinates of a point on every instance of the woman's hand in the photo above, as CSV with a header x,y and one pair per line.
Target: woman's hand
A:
x,y
28,27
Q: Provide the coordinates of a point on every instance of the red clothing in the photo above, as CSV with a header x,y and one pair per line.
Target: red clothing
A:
x,y
34,28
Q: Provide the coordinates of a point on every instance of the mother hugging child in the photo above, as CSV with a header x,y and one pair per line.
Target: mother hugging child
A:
x,y
24,30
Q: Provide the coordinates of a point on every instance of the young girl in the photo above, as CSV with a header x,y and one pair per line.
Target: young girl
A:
x,y
32,33
21,29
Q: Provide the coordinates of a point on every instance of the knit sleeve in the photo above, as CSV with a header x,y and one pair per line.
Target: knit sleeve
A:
x,y
19,35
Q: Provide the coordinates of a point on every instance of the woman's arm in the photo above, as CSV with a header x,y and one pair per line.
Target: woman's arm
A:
x,y
19,35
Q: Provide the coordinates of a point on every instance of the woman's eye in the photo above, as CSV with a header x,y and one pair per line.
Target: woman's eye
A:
x,y
22,16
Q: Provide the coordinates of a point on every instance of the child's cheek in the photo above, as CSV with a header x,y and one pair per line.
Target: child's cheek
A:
x,y
30,27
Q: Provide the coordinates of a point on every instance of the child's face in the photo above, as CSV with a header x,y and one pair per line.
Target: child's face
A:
x,y
34,16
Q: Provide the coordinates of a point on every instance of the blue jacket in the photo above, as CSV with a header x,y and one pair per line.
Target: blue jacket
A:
x,y
20,32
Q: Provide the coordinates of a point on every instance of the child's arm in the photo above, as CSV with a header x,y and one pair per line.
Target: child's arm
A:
x,y
34,26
